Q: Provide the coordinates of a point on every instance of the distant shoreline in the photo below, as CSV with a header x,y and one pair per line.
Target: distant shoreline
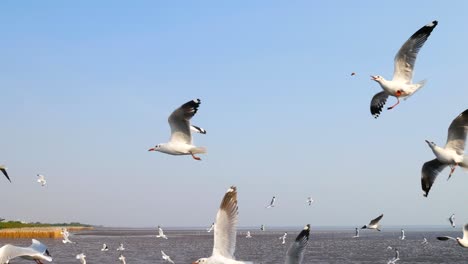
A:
x,y
39,232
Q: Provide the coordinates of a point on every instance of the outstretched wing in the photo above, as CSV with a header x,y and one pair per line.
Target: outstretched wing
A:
x,y
295,252
377,103
457,133
376,220
429,173
225,225
179,121
406,56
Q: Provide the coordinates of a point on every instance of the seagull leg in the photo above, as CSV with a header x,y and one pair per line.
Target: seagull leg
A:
x,y
452,167
194,157
391,107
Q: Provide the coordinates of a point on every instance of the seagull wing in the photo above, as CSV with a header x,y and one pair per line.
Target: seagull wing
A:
x,y
376,220
295,252
445,238
429,173
377,103
3,169
465,231
406,56
457,133
225,227
179,121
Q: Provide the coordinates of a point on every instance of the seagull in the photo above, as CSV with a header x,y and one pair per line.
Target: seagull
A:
x,y
283,237
451,155
104,247
357,233
310,200
452,220
82,258
401,86
396,258
402,237
166,257
374,224
3,169
210,229
36,251
225,232
181,136
295,252
196,129
272,203
65,235
463,242
121,247
248,235
262,228
41,180
161,233
424,241
122,258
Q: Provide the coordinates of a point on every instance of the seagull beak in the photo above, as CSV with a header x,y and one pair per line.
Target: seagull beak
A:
x,y
427,141
373,77
152,149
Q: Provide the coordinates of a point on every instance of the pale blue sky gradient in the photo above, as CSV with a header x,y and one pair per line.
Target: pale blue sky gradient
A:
x,y
87,88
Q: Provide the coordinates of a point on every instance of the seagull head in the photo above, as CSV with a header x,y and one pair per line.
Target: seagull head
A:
x,y
156,148
430,143
202,260
377,78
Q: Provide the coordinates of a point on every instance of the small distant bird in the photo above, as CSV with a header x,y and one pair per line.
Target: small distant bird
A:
x,y
121,247
402,236
424,241
402,86
248,235
295,253
374,224
225,231
3,169
272,203
395,258
210,228
283,238
37,252
452,220
389,247
161,233
451,155
122,258
356,234
310,200
166,257
82,258
65,236
104,247
181,132
262,228
353,73
463,242
41,180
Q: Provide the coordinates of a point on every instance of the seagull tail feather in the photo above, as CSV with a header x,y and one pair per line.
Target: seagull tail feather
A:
x,y
415,88
198,150
464,163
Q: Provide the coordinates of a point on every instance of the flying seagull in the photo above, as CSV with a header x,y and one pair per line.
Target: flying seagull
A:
x,y
451,155
210,228
65,236
41,180
402,236
452,220
248,235
225,231
181,132
295,253
396,258
402,86
37,252
424,241
272,203
122,258
82,258
104,247
262,227
121,247
166,257
161,233
283,237
3,169
374,224
356,235
309,201
461,241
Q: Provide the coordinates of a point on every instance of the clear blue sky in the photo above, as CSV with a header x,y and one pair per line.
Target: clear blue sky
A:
x,y
87,87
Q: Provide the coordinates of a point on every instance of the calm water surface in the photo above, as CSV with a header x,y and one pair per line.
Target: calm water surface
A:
x,y
185,246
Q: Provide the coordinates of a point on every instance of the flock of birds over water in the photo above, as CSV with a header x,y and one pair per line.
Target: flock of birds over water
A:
x,y
225,226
